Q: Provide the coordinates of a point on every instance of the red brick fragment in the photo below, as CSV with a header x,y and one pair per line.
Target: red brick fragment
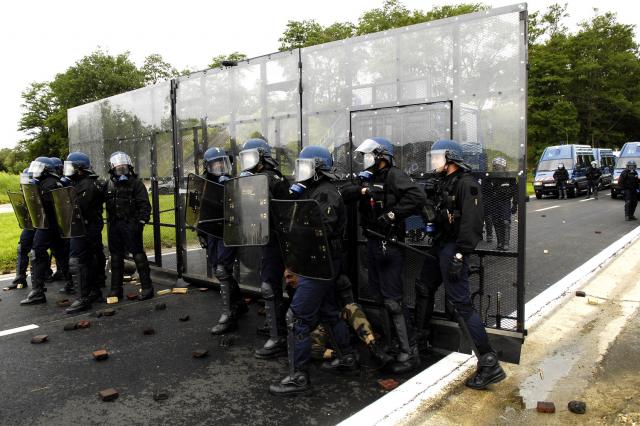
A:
x,y
100,355
132,296
40,338
63,303
388,384
546,407
83,324
108,394
199,353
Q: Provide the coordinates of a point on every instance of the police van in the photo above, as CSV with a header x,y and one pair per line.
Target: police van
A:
x,y
575,159
607,161
629,151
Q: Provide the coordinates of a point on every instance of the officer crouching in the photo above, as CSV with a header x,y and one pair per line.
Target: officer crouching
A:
x,y
460,220
128,209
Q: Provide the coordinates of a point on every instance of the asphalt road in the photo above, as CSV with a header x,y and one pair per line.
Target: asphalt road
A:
x,y
58,382
572,231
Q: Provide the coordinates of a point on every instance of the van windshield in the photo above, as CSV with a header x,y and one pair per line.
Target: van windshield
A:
x,y
552,153
551,165
622,161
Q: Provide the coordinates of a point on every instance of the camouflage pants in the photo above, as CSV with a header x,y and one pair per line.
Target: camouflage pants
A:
x,y
321,346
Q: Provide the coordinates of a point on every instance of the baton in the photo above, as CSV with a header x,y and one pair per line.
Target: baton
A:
x,y
210,221
399,243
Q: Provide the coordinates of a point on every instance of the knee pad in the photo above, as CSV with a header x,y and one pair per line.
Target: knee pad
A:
x,y
267,292
290,318
74,265
392,306
222,273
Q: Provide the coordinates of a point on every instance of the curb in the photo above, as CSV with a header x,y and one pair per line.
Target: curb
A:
x,y
435,382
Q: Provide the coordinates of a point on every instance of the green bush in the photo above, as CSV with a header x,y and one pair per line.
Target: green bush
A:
x,y
8,182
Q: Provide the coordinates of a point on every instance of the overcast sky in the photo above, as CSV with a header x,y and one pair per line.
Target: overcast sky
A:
x,y
41,38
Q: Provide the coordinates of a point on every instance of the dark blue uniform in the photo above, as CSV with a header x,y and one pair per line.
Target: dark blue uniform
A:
x,y
629,183
500,202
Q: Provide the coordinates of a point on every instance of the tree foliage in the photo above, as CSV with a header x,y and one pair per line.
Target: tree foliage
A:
x,y
583,87
216,61
392,14
156,70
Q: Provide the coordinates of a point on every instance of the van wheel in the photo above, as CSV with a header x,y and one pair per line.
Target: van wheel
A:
x,y
538,195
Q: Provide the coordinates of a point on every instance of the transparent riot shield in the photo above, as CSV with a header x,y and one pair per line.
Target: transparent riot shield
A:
x,y
204,205
246,211
33,200
20,209
68,215
303,238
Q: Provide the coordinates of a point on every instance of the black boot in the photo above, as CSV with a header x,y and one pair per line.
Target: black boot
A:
x,y
144,272
292,385
22,262
68,288
227,321
96,294
488,372
117,272
34,297
345,364
378,352
80,277
275,347
16,282
405,362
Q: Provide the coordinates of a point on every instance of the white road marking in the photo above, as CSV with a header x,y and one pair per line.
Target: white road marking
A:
x,y
586,199
18,329
546,208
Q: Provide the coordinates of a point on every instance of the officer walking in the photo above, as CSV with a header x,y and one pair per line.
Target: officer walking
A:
x,y
389,197
501,201
593,174
45,177
217,165
128,210
628,181
314,301
561,176
255,158
459,225
89,199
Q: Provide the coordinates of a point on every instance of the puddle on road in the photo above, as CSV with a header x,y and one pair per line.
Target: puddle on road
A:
x,y
537,386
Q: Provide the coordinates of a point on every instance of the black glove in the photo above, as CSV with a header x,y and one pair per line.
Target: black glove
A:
x,y
139,226
384,223
455,269
351,192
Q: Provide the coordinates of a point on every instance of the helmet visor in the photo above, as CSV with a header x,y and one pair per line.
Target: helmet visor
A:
x,y
305,169
249,158
436,159
219,166
368,146
68,169
120,159
369,159
36,168
25,178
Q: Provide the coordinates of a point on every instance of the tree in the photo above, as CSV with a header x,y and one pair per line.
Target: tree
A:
x,y
216,61
309,33
155,69
96,76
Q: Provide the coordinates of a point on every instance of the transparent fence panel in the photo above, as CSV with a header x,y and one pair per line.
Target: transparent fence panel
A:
x,y
462,78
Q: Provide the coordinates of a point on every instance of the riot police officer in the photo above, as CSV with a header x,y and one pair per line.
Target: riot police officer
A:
x,y
128,210
561,176
389,197
25,243
460,217
500,201
45,176
593,175
628,181
83,250
314,301
217,165
255,157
